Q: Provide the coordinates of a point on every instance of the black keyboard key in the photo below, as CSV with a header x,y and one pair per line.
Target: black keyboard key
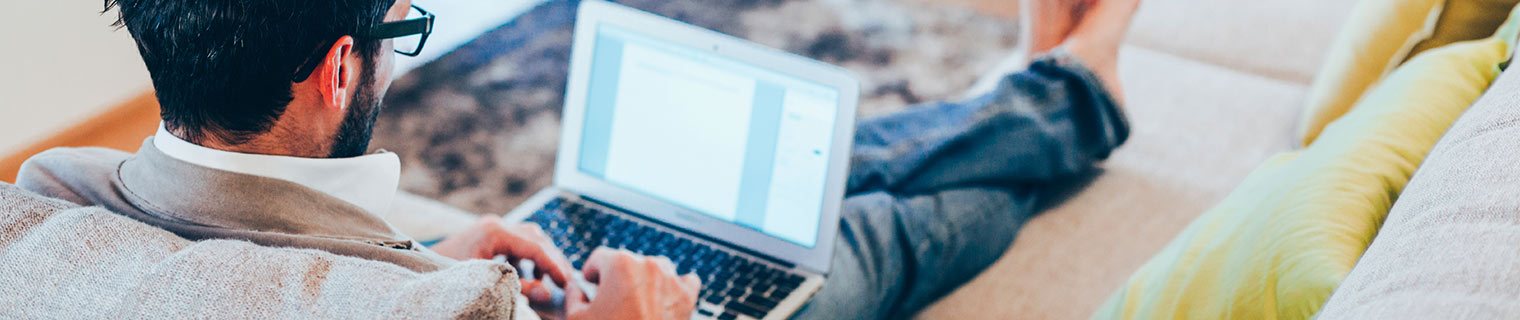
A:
x,y
642,248
663,242
716,299
700,264
704,312
683,245
766,303
790,281
728,316
763,287
743,281
617,239
708,271
735,292
745,309
780,293
772,275
723,276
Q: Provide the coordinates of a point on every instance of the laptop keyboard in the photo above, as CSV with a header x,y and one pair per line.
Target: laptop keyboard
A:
x,y
738,284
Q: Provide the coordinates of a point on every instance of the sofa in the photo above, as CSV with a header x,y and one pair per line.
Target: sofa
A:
x,y
1213,89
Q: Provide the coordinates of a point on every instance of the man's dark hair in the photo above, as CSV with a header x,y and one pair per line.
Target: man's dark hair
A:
x,y
225,67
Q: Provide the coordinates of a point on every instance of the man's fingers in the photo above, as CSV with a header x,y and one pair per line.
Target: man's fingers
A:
x,y
691,283
576,301
574,293
533,244
544,260
537,291
665,265
553,264
601,258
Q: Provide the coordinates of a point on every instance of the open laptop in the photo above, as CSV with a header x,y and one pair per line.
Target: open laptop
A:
x,y
728,157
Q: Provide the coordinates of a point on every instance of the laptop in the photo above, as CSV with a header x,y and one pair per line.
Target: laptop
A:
x,y
728,157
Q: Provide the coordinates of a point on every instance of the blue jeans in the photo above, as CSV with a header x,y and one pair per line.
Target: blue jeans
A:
x,y
937,193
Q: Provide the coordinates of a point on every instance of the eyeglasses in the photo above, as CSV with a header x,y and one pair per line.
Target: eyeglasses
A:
x,y
407,37
408,34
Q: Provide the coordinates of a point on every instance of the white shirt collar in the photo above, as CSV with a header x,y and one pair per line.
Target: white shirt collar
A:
x,y
367,181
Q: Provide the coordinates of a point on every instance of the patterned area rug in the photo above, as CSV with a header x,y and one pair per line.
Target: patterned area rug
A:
x,y
478,128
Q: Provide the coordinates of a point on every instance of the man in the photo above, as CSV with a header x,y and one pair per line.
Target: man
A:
x,y
267,107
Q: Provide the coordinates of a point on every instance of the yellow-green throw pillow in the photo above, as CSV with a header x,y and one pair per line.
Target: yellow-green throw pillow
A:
x,y
1378,37
1280,243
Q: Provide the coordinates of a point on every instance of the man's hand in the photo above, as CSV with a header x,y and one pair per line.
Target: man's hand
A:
x,y
490,237
630,286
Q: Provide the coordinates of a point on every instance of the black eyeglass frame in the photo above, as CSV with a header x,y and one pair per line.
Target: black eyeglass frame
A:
x,y
422,25
389,30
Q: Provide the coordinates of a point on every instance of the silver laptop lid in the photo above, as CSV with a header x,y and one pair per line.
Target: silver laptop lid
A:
x,y
707,132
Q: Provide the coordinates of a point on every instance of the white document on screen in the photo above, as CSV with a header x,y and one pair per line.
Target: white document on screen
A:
x,y
679,130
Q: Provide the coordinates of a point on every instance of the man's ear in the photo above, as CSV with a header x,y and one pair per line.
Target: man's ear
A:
x,y
335,75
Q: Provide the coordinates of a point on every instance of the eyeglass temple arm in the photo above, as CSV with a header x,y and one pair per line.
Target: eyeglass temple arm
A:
x,y
423,26
389,30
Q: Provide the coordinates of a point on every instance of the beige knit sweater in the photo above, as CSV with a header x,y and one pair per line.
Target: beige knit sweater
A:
x,y
59,260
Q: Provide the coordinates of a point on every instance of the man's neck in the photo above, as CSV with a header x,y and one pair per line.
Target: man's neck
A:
x,y
278,141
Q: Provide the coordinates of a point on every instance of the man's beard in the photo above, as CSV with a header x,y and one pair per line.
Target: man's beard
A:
x,y
353,135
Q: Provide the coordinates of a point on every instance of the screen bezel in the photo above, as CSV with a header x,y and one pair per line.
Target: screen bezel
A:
x,y
567,175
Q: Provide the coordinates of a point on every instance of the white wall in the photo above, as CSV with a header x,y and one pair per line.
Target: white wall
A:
x,y
460,21
61,62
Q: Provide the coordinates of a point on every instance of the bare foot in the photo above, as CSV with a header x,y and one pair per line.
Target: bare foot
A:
x,y
1096,39
1047,23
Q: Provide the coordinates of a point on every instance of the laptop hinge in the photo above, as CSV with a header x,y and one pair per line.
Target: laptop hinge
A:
x,y
731,246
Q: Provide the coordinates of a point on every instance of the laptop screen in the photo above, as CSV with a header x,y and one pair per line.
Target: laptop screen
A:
x,y
711,134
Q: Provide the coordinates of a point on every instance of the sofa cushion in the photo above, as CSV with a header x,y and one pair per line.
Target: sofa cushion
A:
x,y
1450,248
1278,246
1066,260
1278,39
